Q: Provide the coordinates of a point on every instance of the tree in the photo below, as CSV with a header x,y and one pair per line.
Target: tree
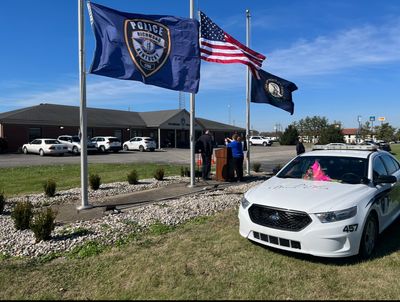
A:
x,y
311,126
397,135
365,130
290,136
331,134
385,132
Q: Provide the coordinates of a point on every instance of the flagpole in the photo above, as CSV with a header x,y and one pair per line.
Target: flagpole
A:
x,y
82,111
192,120
248,95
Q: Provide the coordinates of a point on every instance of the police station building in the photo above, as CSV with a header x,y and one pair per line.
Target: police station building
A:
x,y
170,128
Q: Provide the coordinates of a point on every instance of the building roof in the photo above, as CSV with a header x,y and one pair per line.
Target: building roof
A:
x,y
50,114
156,118
216,126
62,115
349,131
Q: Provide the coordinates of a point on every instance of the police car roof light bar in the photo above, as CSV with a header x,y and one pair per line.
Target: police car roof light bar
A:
x,y
346,147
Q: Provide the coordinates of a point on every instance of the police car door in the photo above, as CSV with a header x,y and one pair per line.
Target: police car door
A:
x,y
393,168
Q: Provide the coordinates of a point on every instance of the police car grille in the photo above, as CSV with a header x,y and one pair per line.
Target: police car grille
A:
x,y
279,218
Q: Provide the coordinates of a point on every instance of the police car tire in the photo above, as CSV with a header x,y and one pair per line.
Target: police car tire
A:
x,y
369,237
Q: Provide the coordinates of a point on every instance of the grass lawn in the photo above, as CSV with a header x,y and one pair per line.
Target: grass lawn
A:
x,y
201,260
21,180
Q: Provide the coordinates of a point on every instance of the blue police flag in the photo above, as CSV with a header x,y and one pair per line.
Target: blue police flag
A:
x,y
154,49
272,90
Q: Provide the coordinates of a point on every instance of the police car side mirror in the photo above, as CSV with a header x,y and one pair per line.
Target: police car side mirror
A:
x,y
386,179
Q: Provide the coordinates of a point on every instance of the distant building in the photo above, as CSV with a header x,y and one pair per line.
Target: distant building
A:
x,y
170,128
350,135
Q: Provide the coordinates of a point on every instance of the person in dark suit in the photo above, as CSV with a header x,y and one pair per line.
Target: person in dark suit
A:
x,y
300,147
205,146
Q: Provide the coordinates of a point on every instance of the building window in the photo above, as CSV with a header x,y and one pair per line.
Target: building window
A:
x,y
34,133
90,132
118,134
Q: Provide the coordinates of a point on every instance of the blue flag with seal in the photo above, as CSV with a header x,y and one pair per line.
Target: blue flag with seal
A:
x,y
272,90
157,50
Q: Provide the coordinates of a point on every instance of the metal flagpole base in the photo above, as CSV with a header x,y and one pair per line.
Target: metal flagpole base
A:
x,y
85,207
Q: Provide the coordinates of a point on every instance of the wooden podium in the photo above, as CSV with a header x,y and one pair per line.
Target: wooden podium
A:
x,y
223,169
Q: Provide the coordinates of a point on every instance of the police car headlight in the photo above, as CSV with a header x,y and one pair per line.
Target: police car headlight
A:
x,y
337,215
245,203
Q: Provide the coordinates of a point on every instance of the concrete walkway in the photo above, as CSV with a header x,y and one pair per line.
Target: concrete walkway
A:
x,y
68,213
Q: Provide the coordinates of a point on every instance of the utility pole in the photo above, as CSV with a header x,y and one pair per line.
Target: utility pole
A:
x,y
359,128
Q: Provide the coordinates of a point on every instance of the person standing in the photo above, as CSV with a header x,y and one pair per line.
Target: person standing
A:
x,y
300,147
205,146
236,146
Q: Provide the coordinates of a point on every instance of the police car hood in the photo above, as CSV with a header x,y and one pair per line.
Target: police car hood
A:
x,y
306,195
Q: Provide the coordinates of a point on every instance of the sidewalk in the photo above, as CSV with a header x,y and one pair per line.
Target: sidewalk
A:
x,y
68,213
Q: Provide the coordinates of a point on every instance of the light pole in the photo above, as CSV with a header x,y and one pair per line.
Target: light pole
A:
x,y
359,128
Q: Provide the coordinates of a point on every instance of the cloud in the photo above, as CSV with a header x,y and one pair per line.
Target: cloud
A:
x,y
363,46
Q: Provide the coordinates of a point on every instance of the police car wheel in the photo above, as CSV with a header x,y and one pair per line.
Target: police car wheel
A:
x,y
369,237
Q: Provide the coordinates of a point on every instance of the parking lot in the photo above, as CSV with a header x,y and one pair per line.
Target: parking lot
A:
x,y
269,157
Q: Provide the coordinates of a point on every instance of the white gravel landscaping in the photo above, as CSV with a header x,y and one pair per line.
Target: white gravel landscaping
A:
x,y
113,227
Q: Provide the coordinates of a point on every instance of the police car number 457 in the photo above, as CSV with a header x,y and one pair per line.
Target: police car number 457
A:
x,y
333,201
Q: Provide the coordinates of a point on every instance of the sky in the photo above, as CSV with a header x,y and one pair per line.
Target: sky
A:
x,y
343,55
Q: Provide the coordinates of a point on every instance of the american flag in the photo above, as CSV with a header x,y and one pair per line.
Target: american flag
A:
x,y
218,46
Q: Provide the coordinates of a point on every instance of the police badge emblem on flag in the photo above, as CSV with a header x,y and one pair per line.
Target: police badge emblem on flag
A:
x,y
157,50
148,44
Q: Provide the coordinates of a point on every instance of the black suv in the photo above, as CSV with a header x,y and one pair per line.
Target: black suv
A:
x,y
384,146
3,145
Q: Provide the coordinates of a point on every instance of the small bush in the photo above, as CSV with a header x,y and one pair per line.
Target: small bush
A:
x,y
2,202
94,181
43,224
257,167
22,215
49,187
133,177
159,174
277,169
185,172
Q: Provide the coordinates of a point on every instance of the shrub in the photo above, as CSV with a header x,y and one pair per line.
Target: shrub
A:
x,y
49,187
94,181
159,174
43,224
2,202
257,167
133,177
22,215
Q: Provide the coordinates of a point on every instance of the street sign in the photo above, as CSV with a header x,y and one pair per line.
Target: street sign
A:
x,y
372,118
381,119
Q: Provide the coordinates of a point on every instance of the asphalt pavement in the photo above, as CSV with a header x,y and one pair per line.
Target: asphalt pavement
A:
x,y
269,157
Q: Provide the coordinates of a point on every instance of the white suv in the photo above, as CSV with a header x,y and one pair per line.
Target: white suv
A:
x,y
107,143
141,143
329,202
73,143
260,140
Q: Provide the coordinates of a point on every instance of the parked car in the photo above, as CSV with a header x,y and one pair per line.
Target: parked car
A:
x,y
141,143
73,143
379,144
384,145
259,140
329,202
107,143
3,145
44,146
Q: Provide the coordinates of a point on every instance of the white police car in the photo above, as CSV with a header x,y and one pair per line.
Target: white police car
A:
x,y
329,202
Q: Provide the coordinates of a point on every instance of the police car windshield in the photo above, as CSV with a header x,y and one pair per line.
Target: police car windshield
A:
x,y
327,168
